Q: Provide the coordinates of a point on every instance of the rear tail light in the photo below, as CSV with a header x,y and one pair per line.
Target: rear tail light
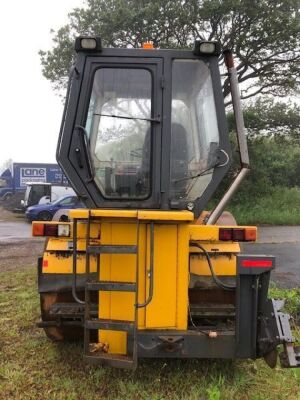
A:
x,y
51,229
63,230
237,234
225,234
250,234
37,229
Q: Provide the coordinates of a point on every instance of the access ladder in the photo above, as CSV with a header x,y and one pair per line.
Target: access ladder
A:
x,y
96,353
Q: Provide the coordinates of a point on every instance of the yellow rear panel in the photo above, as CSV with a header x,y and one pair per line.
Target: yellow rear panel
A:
x,y
168,308
174,233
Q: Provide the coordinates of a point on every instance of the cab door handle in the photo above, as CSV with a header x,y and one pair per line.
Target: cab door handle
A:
x,y
83,153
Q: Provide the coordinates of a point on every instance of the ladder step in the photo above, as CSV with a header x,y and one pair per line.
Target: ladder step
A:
x,y
111,286
113,360
112,324
71,309
112,249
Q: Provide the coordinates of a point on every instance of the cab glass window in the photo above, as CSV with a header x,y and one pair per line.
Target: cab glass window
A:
x,y
119,129
194,130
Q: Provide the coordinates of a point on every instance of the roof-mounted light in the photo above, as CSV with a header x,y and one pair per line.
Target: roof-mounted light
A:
x,y
85,43
207,48
148,46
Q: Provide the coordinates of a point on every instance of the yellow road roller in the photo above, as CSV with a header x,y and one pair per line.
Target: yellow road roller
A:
x,y
144,271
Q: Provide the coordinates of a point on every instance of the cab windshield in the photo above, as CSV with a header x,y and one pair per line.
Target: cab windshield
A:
x,y
119,129
195,134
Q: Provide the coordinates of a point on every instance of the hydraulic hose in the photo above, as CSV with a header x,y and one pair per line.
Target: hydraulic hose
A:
x,y
217,281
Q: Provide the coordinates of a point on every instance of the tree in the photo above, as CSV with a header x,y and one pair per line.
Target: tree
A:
x,y
267,118
264,35
273,143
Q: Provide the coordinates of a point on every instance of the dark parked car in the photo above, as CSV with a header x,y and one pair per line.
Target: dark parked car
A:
x,y
45,212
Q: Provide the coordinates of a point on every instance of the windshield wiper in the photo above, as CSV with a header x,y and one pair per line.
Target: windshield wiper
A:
x,y
124,117
213,163
201,173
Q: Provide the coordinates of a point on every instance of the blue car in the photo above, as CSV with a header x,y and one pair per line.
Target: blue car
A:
x,y
45,212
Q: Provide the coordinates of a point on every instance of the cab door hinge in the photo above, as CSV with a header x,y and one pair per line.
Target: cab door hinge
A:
x,y
162,82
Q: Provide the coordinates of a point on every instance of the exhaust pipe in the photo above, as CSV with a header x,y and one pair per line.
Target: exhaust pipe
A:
x,y
241,139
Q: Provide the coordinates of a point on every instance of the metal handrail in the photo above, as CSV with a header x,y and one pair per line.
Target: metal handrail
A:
x,y
151,270
74,293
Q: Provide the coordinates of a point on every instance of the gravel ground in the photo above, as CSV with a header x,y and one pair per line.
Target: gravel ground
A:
x,y
17,254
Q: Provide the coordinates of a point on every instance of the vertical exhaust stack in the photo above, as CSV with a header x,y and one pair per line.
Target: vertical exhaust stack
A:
x,y
241,138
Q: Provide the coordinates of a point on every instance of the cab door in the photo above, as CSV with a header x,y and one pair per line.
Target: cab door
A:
x,y
115,139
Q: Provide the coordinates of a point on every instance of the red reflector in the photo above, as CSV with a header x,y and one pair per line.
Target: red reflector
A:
x,y
238,235
257,263
45,263
225,234
51,230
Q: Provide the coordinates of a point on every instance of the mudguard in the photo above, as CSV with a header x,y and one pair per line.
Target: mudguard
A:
x,y
260,325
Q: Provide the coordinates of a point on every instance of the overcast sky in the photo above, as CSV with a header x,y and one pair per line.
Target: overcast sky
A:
x,y
30,110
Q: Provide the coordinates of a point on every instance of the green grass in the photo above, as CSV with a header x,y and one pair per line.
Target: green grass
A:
x,y
292,300
280,207
32,367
